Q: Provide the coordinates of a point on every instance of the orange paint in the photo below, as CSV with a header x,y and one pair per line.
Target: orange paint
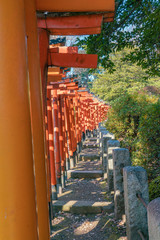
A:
x,y
53,70
37,119
51,139
72,22
67,117
56,134
71,123
18,216
61,137
72,25
54,78
76,6
63,50
72,60
43,51
74,32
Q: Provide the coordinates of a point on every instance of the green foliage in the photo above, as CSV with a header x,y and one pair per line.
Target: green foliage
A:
x,y
123,117
136,26
154,188
127,78
148,147
135,121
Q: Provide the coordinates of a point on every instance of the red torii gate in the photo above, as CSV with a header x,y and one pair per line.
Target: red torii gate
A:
x,y
19,132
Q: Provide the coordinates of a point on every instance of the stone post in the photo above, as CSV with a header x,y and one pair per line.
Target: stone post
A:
x,y
135,182
83,136
105,139
67,164
101,134
153,210
121,159
72,161
99,124
111,144
92,134
100,129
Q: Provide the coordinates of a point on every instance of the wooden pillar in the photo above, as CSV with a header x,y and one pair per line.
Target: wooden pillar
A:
x,y
67,116
37,119
80,120
47,157
74,140
56,140
65,135
77,119
43,52
70,112
18,219
61,142
51,146
63,127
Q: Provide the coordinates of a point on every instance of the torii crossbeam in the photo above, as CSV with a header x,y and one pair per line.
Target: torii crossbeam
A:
x,y
75,6
73,60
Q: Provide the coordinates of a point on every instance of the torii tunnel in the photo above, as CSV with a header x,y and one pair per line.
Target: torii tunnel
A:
x,y
43,114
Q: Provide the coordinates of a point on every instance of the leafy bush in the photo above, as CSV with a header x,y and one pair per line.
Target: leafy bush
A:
x,y
154,188
124,117
148,146
135,121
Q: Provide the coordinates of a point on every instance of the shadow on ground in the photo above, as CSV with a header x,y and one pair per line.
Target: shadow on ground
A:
x,y
83,227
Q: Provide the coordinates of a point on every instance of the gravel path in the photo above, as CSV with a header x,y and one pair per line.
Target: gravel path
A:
x,y
89,165
102,226
90,151
81,189
68,226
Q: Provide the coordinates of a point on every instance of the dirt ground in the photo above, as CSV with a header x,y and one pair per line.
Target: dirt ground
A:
x,y
69,226
101,226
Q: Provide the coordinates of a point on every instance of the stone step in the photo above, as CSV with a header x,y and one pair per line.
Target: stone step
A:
x,y
90,145
91,157
92,139
89,154
82,207
84,174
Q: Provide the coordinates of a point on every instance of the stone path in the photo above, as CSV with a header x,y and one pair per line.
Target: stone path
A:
x,y
85,209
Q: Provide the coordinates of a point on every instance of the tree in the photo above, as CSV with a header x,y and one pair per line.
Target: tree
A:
x,y
136,26
127,78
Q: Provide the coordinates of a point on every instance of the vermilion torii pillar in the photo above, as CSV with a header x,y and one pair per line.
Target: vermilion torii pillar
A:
x,y
61,142
43,52
18,219
51,146
56,139
37,119
65,146
68,128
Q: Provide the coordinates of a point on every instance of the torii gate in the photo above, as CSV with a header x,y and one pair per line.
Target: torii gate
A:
x,y
24,212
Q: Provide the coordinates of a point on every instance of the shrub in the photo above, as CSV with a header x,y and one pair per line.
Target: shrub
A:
x,y
148,146
154,188
135,121
124,117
